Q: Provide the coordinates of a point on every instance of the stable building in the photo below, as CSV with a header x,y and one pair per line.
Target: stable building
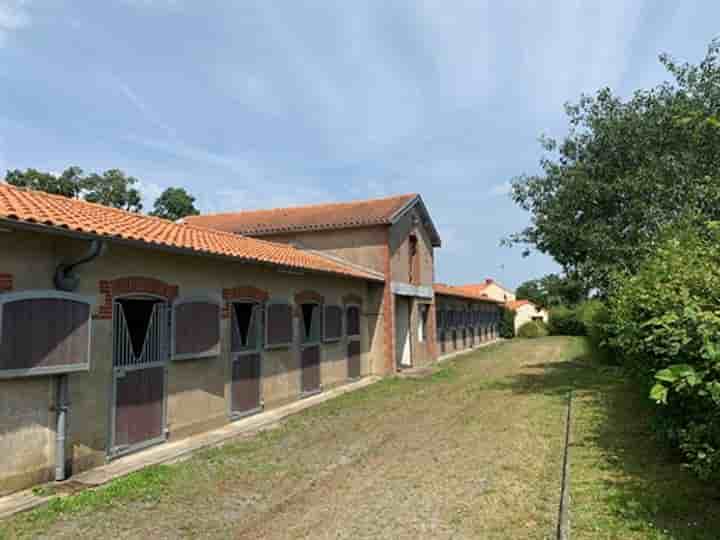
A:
x,y
119,331
392,236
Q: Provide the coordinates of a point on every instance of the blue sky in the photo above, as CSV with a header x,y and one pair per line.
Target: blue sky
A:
x,y
259,104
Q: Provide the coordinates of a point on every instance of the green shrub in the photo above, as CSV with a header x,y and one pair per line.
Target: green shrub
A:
x,y
533,329
507,323
564,322
665,321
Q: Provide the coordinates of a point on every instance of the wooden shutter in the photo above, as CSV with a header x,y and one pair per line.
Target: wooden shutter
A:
x,y
278,325
196,328
44,332
332,323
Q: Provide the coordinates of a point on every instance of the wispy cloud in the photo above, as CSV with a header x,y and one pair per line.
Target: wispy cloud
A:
x,y
147,112
13,17
500,189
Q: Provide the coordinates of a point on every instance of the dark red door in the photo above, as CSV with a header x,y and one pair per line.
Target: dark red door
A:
x,y
246,383
139,406
354,360
310,360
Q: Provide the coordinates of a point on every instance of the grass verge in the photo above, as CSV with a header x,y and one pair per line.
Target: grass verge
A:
x,y
623,484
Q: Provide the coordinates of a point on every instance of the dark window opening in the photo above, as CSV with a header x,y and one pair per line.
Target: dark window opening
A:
x,y
245,327
353,321
138,314
311,324
412,251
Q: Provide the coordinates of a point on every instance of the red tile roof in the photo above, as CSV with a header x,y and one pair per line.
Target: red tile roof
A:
x,y
61,213
307,218
514,304
450,290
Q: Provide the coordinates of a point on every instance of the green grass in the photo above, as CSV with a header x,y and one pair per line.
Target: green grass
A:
x,y
624,485
146,485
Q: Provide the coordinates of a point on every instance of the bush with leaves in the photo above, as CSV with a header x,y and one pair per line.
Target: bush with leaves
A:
x,y
564,322
533,329
507,323
665,321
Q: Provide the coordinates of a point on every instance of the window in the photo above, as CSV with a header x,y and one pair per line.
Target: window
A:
x,y
310,323
278,325
196,328
423,312
332,328
44,332
245,326
413,266
353,321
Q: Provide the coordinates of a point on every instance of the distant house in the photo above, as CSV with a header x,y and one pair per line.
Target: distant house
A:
x,y
490,288
526,311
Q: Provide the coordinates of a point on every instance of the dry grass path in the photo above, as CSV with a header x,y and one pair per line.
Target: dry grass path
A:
x,y
472,451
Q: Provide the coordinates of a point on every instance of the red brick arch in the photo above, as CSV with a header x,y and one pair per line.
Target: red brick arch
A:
x,y
308,296
243,292
132,285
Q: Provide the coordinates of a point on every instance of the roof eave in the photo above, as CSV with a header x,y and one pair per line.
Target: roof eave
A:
x,y
83,235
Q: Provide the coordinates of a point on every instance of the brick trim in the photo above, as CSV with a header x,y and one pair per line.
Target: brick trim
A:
x,y
388,311
132,285
352,299
242,292
6,283
307,297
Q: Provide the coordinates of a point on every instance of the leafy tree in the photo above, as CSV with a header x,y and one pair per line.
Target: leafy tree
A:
x,y
552,290
113,188
174,204
625,170
664,319
68,184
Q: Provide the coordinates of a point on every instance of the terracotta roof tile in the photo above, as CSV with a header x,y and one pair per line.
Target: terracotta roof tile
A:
x,y
514,304
450,290
34,207
312,217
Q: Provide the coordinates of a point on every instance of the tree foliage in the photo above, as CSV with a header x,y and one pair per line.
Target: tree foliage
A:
x,y
67,184
665,321
552,290
626,169
174,204
113,188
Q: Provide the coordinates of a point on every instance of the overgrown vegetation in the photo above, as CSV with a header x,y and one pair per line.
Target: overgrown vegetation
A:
x,y
533,329
507,323
665,321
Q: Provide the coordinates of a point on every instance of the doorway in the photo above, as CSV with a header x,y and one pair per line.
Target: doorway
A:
x,y
246,358
310,348
140,354
403,351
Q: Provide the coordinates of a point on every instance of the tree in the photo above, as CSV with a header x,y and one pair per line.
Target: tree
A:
x,y
113,188
626,169
68,184
174,204
552,290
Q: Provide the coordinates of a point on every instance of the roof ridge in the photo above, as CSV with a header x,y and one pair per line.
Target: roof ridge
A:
x,y
303,206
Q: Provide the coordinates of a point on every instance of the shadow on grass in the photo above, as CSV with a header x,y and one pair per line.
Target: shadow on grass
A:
x,y
627,485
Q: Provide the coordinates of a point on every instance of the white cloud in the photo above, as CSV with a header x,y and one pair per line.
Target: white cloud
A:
x,y
13,17
149,191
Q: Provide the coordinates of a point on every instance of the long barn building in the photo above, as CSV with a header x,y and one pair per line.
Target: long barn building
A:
x,y
119,331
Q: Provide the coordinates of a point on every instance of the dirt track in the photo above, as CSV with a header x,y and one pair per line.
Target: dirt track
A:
x,y
472,451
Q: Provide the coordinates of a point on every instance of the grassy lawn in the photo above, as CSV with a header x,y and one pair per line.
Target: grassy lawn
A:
x,y
472,451
624,485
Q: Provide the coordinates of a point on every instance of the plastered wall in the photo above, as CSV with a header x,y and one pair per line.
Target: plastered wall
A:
x,y
198,390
